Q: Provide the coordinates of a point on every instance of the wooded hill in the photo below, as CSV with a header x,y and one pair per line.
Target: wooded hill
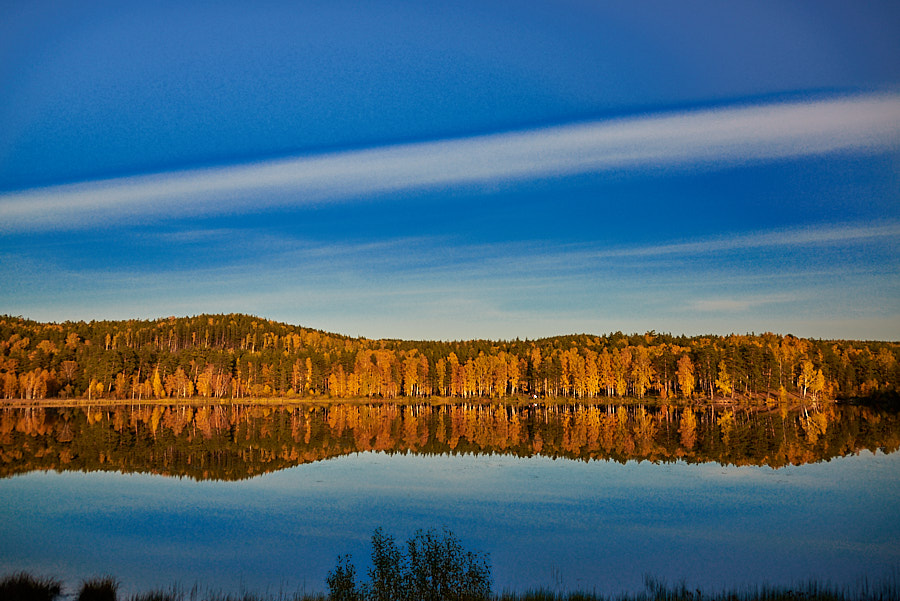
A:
x,y
239,356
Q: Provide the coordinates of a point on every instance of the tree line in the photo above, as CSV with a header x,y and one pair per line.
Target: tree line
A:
x,y
239,356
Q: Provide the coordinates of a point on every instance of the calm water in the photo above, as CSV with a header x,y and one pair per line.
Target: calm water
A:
x,y
553,522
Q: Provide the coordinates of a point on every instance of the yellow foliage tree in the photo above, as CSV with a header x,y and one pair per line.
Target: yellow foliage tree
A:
x,y
159,391
641,371
807,375
723,380
685,375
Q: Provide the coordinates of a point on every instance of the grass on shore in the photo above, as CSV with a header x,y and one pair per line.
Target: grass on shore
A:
x,y
25,587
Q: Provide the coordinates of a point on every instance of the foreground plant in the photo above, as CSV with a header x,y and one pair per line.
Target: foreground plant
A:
x,y
400,576
99,589
25,587
435,567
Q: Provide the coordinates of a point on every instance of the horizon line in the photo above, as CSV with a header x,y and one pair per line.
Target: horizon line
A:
x,y
608,334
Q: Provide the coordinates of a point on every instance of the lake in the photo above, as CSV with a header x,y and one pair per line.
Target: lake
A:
x,y
568,498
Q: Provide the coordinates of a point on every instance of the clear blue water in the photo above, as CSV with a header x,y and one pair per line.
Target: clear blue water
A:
x,y
559,524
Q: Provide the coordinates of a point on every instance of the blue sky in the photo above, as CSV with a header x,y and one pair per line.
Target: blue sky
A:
x,y
455,170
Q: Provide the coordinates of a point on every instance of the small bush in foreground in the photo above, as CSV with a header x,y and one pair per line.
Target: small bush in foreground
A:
x,y
99,589
402,582
435,567
25,587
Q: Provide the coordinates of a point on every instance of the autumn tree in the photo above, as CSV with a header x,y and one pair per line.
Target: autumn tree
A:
x,y
685,375
159,391
68,369
456,384
641,371
9,384
807,375
411,374
440,376
817,386
607,375
723,380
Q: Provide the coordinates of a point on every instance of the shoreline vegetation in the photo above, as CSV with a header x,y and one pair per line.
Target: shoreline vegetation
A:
x,y
889,402
23,586
789,403
241,358
884,398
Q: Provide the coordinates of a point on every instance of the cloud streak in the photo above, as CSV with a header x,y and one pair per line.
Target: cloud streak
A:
x,y
736,305
416,288
704,138
813,236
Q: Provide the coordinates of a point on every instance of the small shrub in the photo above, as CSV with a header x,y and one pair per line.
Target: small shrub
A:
x,y
158,596
386,574
434,568
25,587
99,589
438,568
342,581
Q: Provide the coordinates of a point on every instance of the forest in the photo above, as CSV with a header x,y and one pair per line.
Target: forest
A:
x,y
217,357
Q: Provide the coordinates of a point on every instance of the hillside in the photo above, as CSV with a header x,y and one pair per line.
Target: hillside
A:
x,y
239,356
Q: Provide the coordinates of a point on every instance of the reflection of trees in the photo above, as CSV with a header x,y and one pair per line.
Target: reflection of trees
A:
x,y
688,429
240,441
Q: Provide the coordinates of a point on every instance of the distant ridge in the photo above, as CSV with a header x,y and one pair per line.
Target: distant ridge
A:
x,y
237,356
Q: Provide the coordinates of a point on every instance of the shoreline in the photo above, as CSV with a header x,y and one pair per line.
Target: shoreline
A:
x,y
23,586
761,404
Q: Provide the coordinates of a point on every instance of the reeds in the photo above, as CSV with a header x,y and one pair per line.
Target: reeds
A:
x,y
887,589
99,589
25,587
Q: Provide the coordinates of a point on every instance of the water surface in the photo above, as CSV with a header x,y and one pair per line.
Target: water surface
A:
x,y
595,524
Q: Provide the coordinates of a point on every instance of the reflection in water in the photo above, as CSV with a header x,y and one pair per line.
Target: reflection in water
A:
x,y
232,442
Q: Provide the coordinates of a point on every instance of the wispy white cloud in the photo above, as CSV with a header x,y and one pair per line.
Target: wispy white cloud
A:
x,y
738,304
549,260
415,287
438,265
812,236
702,138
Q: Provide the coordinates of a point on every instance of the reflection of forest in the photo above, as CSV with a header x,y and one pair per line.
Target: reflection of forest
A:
x,y
240,441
